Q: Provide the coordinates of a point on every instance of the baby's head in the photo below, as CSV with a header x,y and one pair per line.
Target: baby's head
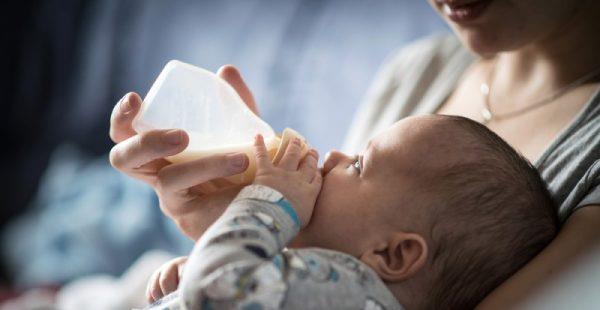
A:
x,y
439,206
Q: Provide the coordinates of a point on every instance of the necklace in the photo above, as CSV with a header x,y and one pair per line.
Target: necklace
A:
x,y
485,89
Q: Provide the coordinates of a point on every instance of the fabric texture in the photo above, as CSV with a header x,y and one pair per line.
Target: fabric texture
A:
x,y
241,263
419,78
86,219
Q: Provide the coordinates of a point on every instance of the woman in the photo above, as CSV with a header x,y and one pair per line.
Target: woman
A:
x,y
534,81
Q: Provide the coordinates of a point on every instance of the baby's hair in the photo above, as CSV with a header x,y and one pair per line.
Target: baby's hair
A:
x,y
496,214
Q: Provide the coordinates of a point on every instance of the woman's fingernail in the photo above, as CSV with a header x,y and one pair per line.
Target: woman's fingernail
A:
x,y
172,137
237,160
128,105
125,105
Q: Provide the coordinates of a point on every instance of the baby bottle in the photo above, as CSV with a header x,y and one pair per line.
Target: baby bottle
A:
x,y
213,115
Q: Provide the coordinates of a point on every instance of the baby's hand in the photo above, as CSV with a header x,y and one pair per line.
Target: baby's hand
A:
x,y
297,178
165,279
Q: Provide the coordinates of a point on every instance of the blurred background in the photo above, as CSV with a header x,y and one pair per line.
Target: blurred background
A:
x,y
72,225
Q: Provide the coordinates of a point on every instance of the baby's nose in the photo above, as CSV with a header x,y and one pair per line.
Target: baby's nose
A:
x,y
332,159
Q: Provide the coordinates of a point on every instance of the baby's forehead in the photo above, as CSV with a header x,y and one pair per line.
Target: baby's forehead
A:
x,y
417,132
419,141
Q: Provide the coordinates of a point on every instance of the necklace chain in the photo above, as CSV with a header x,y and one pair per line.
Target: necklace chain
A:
x,y
485,89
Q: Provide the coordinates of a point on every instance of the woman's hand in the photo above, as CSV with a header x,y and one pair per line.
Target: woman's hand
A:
x,y
297,178
165,279
183,189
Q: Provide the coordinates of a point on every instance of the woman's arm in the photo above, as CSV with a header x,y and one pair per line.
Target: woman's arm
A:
x,y
579,236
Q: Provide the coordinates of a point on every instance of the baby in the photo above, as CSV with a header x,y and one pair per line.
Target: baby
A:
x,y
435,214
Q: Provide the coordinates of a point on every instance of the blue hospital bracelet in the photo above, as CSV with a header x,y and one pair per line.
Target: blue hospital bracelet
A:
x,y
266,193
287,207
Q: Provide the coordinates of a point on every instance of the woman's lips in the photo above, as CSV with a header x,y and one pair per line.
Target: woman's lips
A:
x,y
463,11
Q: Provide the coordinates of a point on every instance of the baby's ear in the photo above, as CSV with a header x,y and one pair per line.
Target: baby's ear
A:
x,y
399,258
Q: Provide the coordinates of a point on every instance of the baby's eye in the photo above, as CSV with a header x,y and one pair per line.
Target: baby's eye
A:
x,y
356,164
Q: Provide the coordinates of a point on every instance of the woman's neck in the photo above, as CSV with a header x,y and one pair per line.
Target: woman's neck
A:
x,y
552,62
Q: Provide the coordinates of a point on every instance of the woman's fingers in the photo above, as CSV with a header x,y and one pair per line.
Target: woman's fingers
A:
x,y
122,116
232,76
147,147
308,166
177,177
262,156
292,156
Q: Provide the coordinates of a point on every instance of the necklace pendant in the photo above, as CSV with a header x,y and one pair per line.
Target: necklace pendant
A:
x,y
487,115
484,88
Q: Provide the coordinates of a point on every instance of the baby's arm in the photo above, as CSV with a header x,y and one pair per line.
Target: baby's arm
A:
x,y
253,230
235,260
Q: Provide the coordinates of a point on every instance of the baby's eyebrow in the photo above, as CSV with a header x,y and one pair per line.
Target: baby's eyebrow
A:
x,y
371,149
360,158
362,165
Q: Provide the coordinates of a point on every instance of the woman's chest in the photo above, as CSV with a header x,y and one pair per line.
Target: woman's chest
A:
x,y
530,132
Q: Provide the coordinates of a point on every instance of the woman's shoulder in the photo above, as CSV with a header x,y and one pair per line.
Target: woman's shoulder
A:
x,y
571,165
434,50
428,65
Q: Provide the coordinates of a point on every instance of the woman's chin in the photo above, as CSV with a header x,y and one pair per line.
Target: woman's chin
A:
x,y
487,43
479,42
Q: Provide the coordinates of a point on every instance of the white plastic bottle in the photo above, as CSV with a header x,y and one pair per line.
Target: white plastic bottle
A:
x,y
213,115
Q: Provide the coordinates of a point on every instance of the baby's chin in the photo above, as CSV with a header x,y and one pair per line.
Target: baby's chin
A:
x,y
304,238
297,243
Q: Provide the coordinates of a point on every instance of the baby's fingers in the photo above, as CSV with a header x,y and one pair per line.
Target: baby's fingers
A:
x,y
317,180
169,279
292,156
153,291
260,151
308,166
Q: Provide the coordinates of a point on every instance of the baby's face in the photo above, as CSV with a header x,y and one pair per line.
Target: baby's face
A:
x,y
369,193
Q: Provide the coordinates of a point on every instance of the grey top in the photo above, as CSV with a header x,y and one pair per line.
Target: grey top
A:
x,y
419,78
240,263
